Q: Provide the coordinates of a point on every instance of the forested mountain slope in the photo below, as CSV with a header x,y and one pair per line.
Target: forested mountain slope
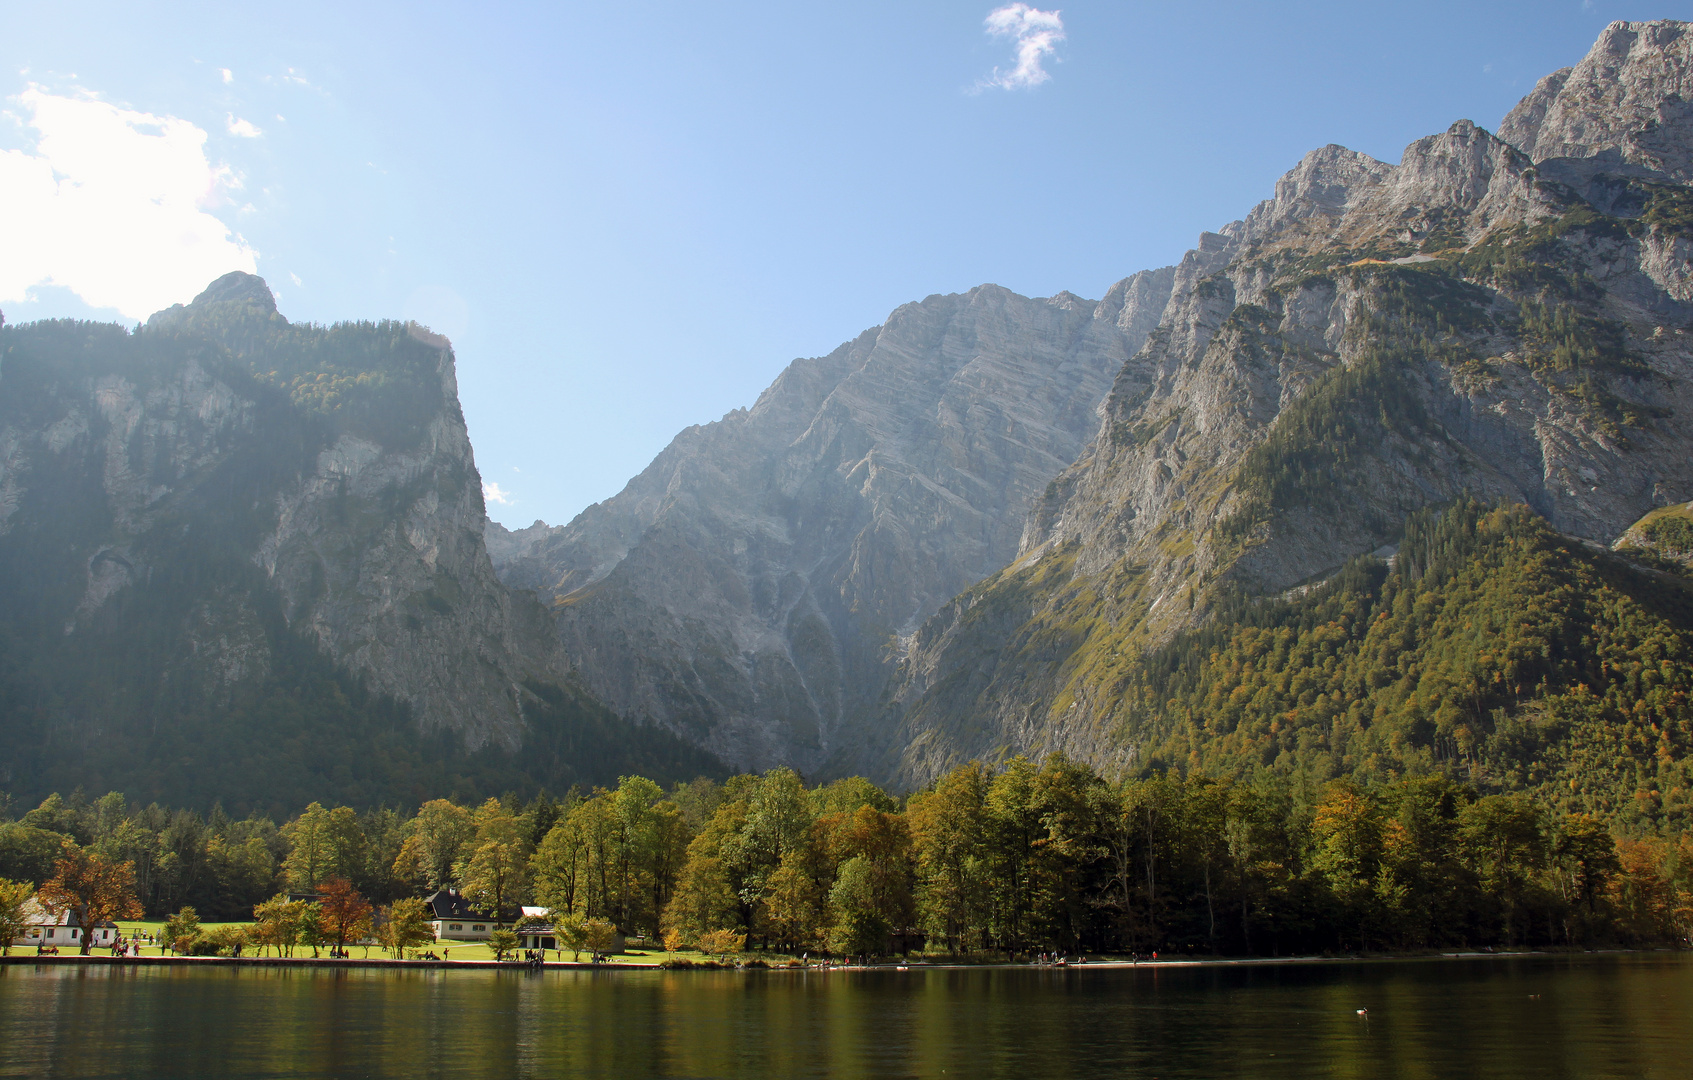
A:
x,y
747,589
243,559
1500,319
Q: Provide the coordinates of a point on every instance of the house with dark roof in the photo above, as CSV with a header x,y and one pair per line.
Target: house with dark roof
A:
x,y
454,918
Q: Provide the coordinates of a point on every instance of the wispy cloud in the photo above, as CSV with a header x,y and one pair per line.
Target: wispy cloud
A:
x,y
228,76
243,128
492,492
1035,35
113,204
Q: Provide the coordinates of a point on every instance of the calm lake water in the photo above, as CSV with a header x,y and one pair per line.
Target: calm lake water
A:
x,y
1591,1016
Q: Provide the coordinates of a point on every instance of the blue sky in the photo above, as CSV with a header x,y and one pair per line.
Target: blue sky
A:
x,y
630,217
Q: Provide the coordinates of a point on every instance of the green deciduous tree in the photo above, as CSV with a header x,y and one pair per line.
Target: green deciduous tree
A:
x,y
404,926
493,870
15,897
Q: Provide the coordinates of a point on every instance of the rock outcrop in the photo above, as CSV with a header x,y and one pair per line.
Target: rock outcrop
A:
x,y
750,588
1505,320
223,510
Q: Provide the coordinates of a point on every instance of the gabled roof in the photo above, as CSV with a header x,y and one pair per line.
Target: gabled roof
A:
x,y
36,914
451,904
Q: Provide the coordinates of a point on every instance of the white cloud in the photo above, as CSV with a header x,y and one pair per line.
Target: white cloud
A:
x,y
228,76
1034,33
295,278
495,494
113,206
243,128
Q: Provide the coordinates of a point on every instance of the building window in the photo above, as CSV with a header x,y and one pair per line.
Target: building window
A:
x,y
479,927
455,926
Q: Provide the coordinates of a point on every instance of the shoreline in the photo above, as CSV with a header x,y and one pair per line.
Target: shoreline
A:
x,y
386,963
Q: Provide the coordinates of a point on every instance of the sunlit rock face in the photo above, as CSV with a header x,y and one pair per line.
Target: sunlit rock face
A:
x,y
1501,315
953,538
752,587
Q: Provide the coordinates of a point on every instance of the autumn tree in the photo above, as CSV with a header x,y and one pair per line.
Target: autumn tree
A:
x,y
703,900
600,936
722,943
276,924
346,914
92,888
1347,833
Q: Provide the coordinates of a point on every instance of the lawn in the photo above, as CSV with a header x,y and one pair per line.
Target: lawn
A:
x,y
638,956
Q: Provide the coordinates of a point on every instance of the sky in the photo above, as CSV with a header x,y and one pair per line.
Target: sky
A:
x,y
630,217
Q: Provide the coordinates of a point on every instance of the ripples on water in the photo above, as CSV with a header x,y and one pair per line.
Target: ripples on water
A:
x,y
1604,1016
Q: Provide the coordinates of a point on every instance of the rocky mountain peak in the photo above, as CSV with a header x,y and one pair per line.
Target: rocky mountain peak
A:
x,y
1322,186
1627,100
748,588
237,288
245,296
1461,171
1371,340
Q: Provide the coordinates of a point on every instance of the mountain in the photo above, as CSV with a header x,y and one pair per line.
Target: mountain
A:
x,y
242,559
1499,317
748,590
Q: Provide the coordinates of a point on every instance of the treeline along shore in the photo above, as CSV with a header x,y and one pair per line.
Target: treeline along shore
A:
x,y
987,862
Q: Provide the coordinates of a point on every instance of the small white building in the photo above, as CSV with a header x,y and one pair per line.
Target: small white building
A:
x,y
453,918
539,933
63,930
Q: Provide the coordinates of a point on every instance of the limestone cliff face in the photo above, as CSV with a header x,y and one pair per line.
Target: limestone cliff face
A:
x,y
1503,316
750,587
332,463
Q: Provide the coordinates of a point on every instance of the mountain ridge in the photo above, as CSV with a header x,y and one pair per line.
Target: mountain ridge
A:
x,y
1372,340
224,531
700,599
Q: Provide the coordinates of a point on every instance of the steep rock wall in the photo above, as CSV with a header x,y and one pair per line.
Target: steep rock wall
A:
x,y
1480,318
749,588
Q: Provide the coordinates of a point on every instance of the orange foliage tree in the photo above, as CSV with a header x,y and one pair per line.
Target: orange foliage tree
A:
x,y
91,887
346,914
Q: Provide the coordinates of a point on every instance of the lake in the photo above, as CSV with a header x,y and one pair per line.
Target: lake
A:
x,y
1582,1016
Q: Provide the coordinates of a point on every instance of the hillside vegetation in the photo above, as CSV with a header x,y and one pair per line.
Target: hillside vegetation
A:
x,y
984,863
1494,651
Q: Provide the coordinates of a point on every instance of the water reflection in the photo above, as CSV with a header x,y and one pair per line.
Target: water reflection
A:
x,y
1542,1017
